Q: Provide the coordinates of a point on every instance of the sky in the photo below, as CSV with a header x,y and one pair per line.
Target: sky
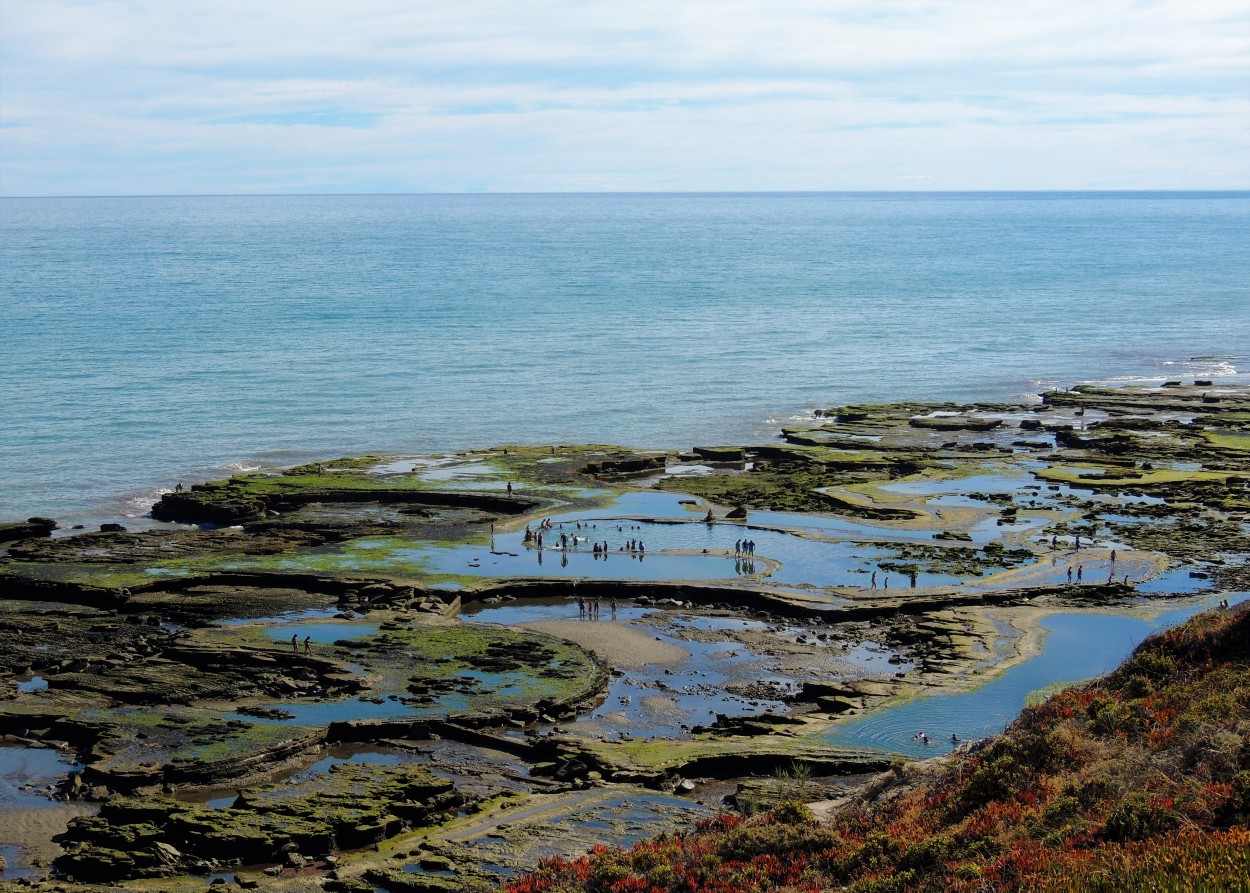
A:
x,y
150,97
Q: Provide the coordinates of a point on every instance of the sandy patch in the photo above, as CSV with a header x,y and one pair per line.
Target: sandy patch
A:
x,y
32,830
615,641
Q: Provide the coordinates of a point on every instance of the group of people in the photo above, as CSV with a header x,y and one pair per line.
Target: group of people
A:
x,y
1080,568
599,548
588,608
912,576
307,644
744,548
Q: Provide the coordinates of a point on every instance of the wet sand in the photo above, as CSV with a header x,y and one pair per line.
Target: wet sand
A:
x,y
617,642
32,831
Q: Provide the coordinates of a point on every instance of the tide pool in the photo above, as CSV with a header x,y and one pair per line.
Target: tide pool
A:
x,y
1076,647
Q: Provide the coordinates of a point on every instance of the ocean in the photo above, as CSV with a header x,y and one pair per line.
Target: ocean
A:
x,y
151,340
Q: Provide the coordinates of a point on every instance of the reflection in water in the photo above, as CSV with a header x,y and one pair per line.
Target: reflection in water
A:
x,y
24,770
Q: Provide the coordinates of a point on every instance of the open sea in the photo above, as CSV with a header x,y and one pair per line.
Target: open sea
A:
x,y
149,340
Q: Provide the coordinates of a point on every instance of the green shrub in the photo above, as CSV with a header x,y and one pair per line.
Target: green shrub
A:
x,y
1137,819
793,812
997,777
1108,717
969,872
926,854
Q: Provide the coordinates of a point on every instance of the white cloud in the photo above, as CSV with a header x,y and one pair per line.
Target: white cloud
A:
x,y
375,95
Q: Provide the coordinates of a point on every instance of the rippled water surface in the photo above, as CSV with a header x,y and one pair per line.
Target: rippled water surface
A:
x,y
148,340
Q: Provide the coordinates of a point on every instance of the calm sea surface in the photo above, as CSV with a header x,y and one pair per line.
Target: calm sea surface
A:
x,y
147,340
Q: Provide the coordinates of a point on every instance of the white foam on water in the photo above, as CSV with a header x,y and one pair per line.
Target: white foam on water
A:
x,y
241,467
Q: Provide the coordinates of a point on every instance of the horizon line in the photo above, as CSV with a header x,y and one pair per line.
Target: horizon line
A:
x,y
652,192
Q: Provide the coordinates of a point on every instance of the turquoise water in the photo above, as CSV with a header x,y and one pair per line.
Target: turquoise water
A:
x,y
148,340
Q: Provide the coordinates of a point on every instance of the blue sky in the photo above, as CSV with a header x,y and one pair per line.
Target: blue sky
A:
x,y
293,96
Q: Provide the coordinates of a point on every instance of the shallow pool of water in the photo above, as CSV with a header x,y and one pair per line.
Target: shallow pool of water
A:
x,y
24,770
12,862
987,530
640,504
677,545
30,683
1076,647
1177,580
534,610
286,617
673,551
977,483
322,633
511,558
837,526
322,713
452,472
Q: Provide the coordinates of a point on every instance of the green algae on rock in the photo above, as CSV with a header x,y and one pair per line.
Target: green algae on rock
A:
x,y
350,807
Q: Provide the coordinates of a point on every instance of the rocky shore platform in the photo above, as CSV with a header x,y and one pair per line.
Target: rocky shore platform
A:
x,y
429,673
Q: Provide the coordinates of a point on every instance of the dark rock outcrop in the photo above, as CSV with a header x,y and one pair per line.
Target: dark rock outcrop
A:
x,y
31,527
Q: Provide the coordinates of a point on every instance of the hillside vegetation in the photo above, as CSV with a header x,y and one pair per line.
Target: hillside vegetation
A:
x,y
1139,781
